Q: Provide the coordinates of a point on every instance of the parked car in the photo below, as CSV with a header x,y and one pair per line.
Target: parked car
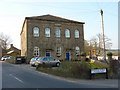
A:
x,y
47,61
19,60
33,61
5,58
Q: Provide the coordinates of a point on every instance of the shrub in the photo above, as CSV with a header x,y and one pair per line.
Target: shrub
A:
x,y
98,65
80,70
114,65
74,69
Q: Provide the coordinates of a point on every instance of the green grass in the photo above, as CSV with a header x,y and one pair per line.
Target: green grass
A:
x,y
73,69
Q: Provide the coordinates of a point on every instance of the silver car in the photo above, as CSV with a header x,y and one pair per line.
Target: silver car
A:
x,y
5,58
47,61
33,61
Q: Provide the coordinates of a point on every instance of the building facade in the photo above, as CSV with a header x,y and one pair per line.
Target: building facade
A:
x,y
52,36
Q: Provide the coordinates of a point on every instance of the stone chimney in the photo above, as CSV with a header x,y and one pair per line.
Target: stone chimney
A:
x,y
11,45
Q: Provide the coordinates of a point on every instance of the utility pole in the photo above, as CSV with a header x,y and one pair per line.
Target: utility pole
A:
x,y
103,36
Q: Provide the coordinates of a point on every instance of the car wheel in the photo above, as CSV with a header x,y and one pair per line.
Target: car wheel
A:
x,y
57,64
33,65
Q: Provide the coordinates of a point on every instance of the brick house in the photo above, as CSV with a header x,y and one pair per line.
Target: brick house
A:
x,y
53,36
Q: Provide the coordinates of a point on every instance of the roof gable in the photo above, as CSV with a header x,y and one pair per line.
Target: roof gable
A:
x,y
53,18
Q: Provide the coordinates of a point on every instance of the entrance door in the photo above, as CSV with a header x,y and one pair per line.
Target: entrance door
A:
x,y
67,56
47,54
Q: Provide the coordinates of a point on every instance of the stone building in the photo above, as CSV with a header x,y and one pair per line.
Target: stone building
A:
x,y
13,51
52,36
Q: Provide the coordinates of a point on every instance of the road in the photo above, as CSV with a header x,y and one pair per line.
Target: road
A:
x,y
23,76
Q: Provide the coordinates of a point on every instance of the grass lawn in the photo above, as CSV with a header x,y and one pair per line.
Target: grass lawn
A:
x,y
75,69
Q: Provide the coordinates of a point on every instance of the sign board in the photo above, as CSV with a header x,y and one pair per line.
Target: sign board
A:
x,y
98,71
93,71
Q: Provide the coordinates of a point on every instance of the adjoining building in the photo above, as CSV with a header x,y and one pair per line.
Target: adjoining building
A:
x,y
13,51
52,36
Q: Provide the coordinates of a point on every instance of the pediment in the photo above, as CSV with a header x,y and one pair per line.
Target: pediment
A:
x,y
53,18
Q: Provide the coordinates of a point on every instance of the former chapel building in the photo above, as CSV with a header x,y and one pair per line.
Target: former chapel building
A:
x,y
52,36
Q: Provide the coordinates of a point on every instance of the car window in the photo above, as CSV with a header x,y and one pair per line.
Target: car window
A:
x,y
32,59
36,58
40,58
45,59
51,59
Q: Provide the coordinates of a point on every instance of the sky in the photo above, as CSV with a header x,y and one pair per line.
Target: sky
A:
x,y
13,13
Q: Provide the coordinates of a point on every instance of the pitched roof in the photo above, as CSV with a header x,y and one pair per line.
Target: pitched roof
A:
x,y
49,17
13,49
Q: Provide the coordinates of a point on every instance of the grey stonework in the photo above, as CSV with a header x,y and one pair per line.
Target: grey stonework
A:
x,y
28,41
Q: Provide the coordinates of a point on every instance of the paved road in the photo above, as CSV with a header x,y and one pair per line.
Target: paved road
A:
x,y
22,76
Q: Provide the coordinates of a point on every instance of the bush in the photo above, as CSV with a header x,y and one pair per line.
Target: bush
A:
x,y
74,69
43,66
97,65
114,65
80,70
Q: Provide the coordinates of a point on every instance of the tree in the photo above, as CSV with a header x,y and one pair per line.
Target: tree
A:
x,y
99,36
108,42
96,43
5,41
86,47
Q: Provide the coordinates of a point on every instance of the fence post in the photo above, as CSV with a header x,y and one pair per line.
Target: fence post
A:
x,y
106,73
109,54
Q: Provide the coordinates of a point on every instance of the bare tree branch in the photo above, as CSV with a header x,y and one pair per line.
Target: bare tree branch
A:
x,y
5,41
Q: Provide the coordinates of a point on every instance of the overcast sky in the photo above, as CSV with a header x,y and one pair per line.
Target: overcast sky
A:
x,y
13,12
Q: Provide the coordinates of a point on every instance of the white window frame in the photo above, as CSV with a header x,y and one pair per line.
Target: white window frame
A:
x,y
67,33
36,52
77,35
36,31
47,32
59,49
57,32
77,50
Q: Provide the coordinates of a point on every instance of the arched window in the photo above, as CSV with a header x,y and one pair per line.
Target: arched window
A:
x,y
57,32
67,33
47,32
76,34
77,49
36,32
36,51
